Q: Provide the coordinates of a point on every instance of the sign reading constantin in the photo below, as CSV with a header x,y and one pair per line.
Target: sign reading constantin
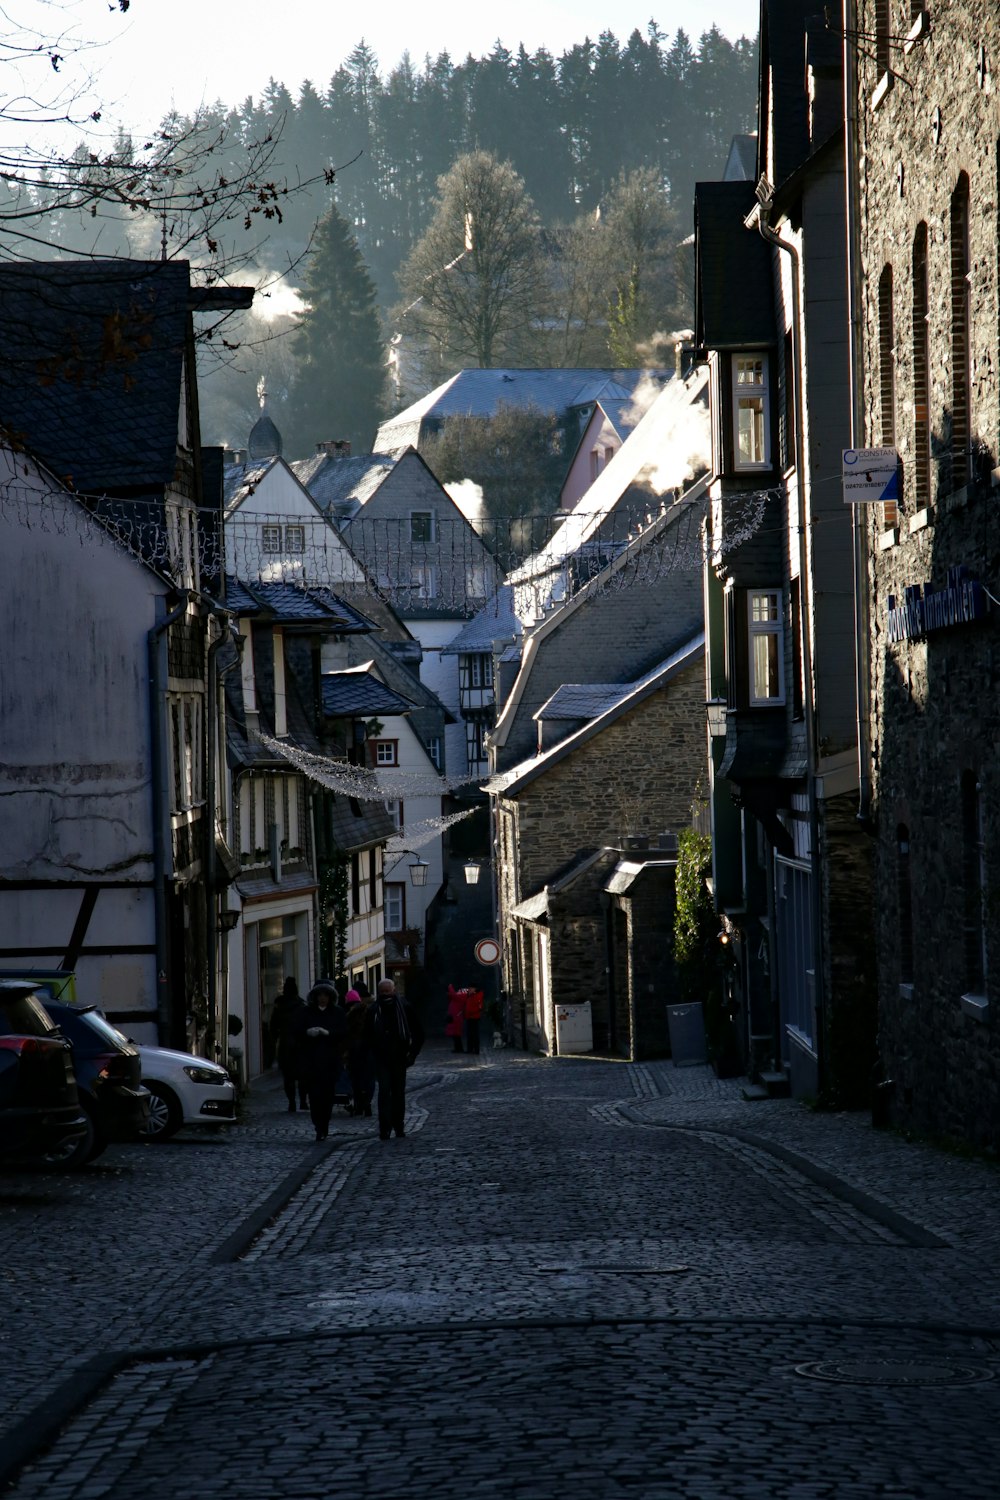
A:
x,y
870,474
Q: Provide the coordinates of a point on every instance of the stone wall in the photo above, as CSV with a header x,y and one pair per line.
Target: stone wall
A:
x,y
934,705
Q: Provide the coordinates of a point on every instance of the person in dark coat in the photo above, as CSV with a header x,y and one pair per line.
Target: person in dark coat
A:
x,y
394,1033
284,1038
360,1063
321,1028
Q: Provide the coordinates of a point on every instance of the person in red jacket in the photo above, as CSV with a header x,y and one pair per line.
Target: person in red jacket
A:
x,y
455,1023
473,1016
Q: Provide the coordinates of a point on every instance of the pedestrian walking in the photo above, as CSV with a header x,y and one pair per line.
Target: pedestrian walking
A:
x,y
394,1033
455,1023
360,1062
321,1028
285,1041
473,1016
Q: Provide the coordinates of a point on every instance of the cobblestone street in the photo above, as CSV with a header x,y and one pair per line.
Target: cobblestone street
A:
x,y
572,1278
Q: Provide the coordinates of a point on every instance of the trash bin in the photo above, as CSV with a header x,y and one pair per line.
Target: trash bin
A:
x,y
686,1025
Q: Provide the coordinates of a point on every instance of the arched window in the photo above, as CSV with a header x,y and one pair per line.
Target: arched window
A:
x,y
961,336
921,373
887,378
904,890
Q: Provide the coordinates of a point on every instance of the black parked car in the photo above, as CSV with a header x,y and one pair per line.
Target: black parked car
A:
x,y
39,1105
108,1075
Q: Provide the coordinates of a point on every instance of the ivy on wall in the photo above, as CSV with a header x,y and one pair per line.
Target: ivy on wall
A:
x,y
334,882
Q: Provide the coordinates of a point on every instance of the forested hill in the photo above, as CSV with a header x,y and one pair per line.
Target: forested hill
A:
x,y
568,124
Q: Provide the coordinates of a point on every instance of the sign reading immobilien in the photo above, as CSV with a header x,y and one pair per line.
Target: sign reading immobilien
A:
x,y
870,474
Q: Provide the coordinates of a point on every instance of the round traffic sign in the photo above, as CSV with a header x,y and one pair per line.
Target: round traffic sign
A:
x,y
487,951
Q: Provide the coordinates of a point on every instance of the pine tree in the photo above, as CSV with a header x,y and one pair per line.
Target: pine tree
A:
x,y
340,383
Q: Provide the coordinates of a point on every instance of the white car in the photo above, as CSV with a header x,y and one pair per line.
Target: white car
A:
x,y
186,1090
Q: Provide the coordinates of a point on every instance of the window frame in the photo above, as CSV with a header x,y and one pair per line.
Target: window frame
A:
x,y
392,749
762,628
739,394
417,516
270,533
295,540
393,891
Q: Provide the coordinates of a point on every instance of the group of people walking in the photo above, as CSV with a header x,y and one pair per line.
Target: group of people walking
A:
x,y
465,1012
374,1041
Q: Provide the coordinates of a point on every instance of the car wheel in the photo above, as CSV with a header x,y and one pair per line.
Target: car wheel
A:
x,y
79,1151
165,1118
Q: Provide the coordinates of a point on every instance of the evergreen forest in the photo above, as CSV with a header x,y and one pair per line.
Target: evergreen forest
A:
x,y
575,129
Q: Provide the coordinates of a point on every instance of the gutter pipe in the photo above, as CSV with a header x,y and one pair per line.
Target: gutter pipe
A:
x,y
156,646
215,742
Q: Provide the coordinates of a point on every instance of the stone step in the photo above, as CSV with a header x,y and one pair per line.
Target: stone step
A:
x,y
776,1084
754,1091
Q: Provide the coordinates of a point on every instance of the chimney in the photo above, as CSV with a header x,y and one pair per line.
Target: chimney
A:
x,y
235,456
337,448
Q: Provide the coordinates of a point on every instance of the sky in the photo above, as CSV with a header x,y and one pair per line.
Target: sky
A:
x,y
184,52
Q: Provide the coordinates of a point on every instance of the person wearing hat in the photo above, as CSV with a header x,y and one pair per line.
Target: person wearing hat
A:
x,y
360,1063
394,1033
321,1028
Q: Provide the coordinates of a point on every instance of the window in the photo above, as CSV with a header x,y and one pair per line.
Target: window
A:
x,y
422,527
433,747
270,539
395,906
973,884
921,373
355,884
766,646
787,408
481,670
423,580
882,31
475,731
904,888
475,581
395,811
961,336
750,411
887,379
373,878
295,539
384,752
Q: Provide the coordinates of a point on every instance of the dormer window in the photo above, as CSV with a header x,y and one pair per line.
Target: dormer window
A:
x,y
751,412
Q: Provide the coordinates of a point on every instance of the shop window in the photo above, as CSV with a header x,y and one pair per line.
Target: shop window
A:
x,y
765,629
973,884
751,416
904,890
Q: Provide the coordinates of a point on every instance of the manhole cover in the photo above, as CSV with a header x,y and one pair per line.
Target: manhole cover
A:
x,y
891,1372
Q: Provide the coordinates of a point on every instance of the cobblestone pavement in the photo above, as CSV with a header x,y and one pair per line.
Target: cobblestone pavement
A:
x,y
572,1278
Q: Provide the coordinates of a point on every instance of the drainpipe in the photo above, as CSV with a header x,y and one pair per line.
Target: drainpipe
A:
x,y
862,651
156,645
215,742
759,218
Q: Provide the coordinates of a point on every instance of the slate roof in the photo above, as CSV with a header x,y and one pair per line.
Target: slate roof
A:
x,y
583,700
290,605
357,825
481,393
358,693
90,379
511,781
240,480
342,485
742,161
496,621
734,288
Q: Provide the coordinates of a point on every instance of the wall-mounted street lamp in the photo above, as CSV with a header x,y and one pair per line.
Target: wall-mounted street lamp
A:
x,y
471,868
418,871
227,920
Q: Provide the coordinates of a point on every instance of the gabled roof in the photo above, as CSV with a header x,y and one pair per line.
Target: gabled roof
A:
x,y
357,693
496,621
509,783
734,284
91,376
669,443
339,486
481,393
289,604
536,908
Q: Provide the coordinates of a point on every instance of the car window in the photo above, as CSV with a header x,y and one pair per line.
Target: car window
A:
x,y
25,1016
86,1027
105,1029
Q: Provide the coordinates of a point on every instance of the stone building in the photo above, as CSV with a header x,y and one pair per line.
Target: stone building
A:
x,y
926,127
625,762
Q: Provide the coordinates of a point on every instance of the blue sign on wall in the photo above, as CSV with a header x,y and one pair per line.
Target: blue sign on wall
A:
x,y
924,609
